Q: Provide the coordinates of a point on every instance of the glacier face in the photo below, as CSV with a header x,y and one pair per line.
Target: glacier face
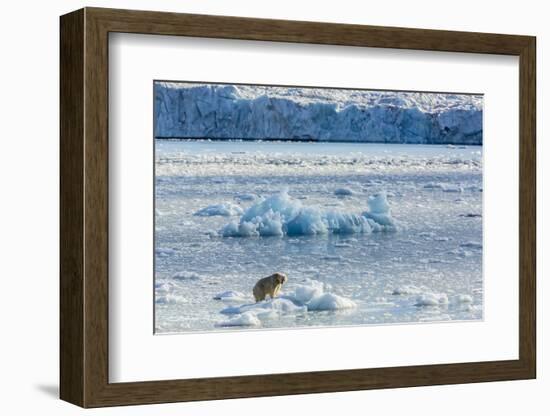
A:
x,y
222,111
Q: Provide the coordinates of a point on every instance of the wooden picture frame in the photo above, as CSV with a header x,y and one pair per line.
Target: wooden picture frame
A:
x,y
84,207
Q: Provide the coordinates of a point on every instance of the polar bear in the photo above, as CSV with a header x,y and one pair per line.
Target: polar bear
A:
x,y
270,285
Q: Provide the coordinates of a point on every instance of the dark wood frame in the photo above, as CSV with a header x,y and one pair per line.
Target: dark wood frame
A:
x,y
84,207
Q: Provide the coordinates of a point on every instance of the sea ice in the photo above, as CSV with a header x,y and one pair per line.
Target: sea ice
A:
x,y
190,243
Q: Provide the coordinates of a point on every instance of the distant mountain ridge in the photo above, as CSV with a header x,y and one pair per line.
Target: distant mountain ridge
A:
x,y
220,111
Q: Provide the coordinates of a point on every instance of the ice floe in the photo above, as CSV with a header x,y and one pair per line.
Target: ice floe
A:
x,y
309,296
431,299
344,192
330,302
280,305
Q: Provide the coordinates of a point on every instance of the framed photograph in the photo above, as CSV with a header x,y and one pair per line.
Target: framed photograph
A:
x,y
255,207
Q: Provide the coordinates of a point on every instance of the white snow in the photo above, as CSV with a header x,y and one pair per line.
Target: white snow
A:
x,y
280,214
192,110
224,210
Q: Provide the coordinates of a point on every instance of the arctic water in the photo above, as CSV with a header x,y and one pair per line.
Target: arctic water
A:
x,y
366,233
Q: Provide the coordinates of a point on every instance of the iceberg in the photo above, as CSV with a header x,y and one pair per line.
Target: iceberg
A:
x,y
281,215
216,111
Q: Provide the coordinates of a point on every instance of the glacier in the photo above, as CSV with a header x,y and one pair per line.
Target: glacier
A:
x,y
248,112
